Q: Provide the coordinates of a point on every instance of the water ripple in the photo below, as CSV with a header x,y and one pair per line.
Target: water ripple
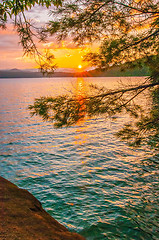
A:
x,y
86,178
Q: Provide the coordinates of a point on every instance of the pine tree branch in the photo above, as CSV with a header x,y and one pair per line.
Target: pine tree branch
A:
x,y
126,90
156,33
137,9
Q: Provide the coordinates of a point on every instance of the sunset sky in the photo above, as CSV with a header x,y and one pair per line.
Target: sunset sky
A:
x,y
67,55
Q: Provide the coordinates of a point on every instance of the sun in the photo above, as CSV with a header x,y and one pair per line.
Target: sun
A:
x,y
79,66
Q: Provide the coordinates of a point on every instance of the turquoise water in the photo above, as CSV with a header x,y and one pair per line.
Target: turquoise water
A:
x,y
85,178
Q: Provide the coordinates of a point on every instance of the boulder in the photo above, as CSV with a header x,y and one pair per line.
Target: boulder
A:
x,y
23,218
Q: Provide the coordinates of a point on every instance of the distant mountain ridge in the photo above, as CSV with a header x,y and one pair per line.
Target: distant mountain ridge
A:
x,y
16,73
112,72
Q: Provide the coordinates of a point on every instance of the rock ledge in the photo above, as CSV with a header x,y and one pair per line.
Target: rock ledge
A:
x,y
23,218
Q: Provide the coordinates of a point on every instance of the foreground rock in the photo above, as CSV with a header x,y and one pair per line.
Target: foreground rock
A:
x,y
23,218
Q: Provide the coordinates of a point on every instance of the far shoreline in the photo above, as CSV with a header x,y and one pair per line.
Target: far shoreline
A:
x,y
112,72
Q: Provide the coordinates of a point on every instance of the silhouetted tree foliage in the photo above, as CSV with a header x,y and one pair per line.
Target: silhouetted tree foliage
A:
x,y
67,110
28,32
128,33
127,29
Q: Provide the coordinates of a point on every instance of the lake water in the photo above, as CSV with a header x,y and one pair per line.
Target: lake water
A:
x,y
85,177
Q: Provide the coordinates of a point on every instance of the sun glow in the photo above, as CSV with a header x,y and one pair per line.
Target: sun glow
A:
x,y
79,66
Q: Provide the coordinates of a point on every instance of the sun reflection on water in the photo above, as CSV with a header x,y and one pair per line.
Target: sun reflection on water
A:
x,y
80,92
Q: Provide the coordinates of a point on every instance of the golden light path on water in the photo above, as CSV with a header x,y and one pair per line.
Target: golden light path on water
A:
x,y
84,176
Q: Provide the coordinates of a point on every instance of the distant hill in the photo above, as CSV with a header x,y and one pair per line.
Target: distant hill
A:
x,y
112,72
117,72
15,70
16,73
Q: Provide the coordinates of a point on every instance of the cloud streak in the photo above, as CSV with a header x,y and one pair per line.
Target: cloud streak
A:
x,y
67,54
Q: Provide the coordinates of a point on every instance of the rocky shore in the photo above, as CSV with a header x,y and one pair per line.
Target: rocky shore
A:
x,y
23,218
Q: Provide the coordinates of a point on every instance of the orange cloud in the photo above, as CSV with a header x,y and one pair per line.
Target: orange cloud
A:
x,y
67,54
